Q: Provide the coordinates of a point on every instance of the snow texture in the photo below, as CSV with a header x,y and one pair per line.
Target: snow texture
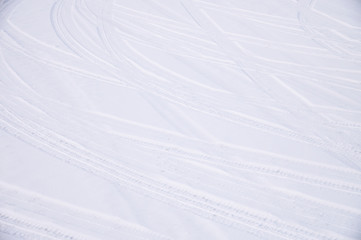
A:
x,y
180,119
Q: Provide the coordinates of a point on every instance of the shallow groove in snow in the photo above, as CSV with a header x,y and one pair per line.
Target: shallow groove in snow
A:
x,y
182,119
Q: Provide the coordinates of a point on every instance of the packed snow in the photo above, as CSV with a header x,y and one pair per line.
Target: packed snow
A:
x,y
180,119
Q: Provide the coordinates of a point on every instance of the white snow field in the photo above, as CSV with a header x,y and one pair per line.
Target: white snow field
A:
x,y
180,119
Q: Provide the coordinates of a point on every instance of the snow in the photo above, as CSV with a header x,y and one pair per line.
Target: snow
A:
x,y
187,119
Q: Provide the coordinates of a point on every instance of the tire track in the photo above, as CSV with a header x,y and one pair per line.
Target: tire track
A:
x,y
346,154
265,194
199,203
68,218
305,8
232,118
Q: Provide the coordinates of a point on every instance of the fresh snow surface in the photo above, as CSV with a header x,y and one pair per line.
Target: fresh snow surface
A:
x,y
180,119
